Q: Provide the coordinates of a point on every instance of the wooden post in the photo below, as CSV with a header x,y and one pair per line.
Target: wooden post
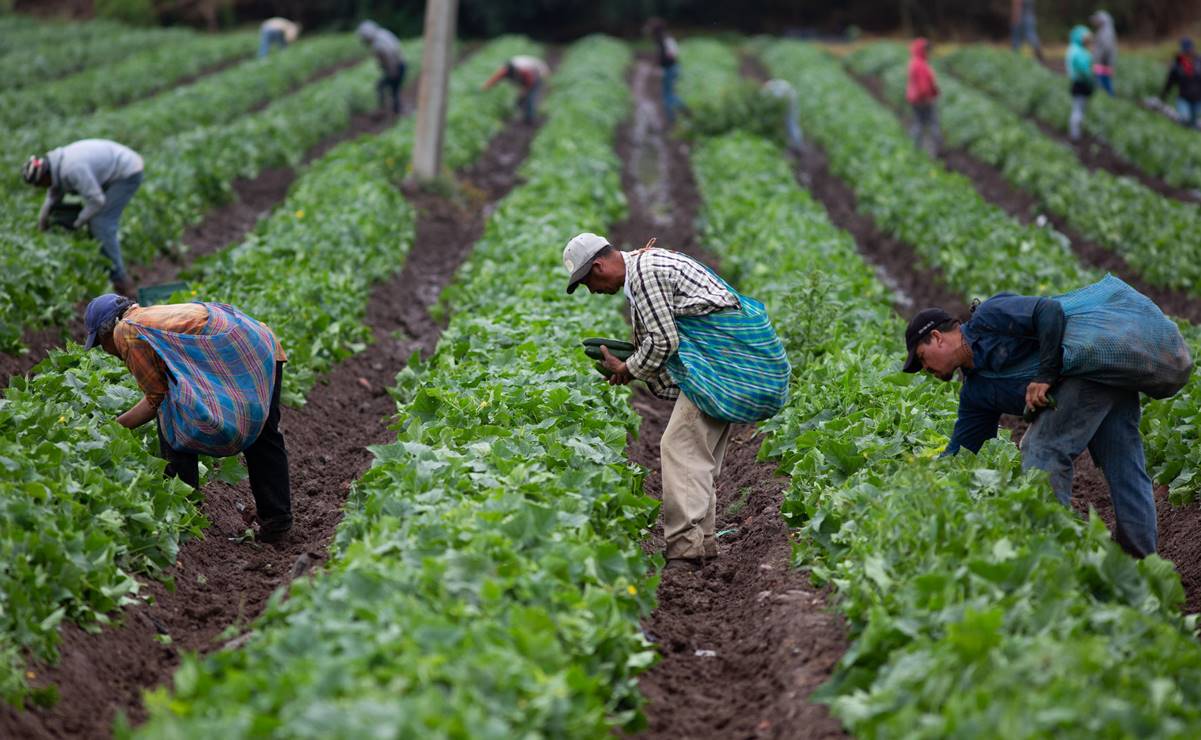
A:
x,y
436,63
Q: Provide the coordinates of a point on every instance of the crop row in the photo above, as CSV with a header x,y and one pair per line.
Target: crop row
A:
x,y
979,606
218,98
112,85
1156,235
86,506
979,249
66,51
185,175
1147,139
487,580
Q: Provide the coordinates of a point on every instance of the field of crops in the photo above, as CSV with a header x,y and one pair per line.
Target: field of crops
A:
x,y
476,547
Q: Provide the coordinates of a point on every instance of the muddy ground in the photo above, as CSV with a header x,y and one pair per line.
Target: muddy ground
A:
x,y
221,582
745,641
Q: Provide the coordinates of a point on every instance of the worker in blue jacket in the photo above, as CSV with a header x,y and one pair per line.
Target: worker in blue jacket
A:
x,y
1010,354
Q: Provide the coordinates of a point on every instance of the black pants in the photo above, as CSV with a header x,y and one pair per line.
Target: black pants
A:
x,y
266,460
392,83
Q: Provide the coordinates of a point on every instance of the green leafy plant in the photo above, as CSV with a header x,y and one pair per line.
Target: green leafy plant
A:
x,y
487,579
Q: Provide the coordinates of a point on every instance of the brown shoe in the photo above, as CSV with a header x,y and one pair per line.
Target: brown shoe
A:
x,y
686,565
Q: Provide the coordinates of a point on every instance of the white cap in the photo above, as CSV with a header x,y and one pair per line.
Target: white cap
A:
x,y
578,255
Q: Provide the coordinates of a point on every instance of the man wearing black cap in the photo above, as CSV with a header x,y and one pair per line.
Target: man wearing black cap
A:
x,y
1010,354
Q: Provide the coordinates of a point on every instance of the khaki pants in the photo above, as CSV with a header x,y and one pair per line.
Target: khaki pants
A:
x,y
691,451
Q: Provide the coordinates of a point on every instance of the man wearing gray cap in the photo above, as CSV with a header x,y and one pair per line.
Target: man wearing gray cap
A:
x,y
700,344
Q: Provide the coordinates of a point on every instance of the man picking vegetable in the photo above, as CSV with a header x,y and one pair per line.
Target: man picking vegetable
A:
x,y
386,48
527,72
700,343
212,376
1075,363
106,175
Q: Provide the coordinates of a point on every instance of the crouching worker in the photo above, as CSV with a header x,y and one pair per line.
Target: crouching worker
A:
x,y
1078,361
212,376
699,343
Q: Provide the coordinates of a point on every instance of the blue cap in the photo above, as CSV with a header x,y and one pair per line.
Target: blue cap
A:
x,y
100,310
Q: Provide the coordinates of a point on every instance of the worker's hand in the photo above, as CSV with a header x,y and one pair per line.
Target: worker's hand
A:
x,y
1036,395
44,223
621,374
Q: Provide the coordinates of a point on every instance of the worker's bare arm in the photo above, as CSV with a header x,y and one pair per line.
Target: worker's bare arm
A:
x,y
142,412
621,374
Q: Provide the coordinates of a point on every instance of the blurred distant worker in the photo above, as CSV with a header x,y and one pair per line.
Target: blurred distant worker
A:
x,y
669,61
1185,75
212,377
529,73
1024,26
386,48
1105,50
106,175
922,93
783,90
276,32
1079,65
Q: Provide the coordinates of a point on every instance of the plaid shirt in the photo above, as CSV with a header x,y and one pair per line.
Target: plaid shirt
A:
x,y
147,367
660,285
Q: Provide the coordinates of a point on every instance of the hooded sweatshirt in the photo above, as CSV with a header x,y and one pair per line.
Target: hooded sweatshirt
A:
x,y
922,88
1105,43
1079,61
1185,73
384,45
86,168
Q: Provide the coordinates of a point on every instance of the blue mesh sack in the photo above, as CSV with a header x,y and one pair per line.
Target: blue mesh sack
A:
x,y
1118,336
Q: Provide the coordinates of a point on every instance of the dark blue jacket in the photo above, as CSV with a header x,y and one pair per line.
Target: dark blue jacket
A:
x,y
1015,340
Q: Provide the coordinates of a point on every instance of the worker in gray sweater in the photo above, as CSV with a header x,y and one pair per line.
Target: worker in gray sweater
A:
x,y
386,48
105,175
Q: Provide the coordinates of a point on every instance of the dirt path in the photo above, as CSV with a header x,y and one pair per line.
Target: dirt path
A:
x,y
220,582
745,641
1179,526
224,225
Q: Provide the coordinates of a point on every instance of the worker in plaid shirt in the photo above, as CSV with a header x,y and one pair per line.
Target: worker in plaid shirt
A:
x,y
660,286
118,325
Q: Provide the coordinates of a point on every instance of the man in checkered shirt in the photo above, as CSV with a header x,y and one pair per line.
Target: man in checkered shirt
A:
x,y
661,285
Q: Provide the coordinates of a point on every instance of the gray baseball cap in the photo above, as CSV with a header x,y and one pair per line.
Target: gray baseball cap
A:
x,y
578,256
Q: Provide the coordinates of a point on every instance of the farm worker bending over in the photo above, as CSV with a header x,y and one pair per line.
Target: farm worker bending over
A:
x,y
1024,26
1185,74
701,344
1015,350
669,62
386,48
1106,48
782,90
212,376
106,174
922,93
1079,63
276,32
528,72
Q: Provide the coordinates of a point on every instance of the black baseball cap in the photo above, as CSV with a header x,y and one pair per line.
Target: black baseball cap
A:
x,y
920,327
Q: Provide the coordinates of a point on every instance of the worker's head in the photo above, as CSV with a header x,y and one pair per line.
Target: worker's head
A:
x,y
1081,35
366,31
590,260
1186,45
1101,20
934,343
920,47
656,27
101,318
36,171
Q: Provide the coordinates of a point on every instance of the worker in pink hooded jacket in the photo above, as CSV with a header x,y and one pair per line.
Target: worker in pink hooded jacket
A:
x,y
922,93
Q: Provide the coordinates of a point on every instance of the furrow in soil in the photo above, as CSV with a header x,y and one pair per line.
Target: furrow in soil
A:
x,y
722,673
220,582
